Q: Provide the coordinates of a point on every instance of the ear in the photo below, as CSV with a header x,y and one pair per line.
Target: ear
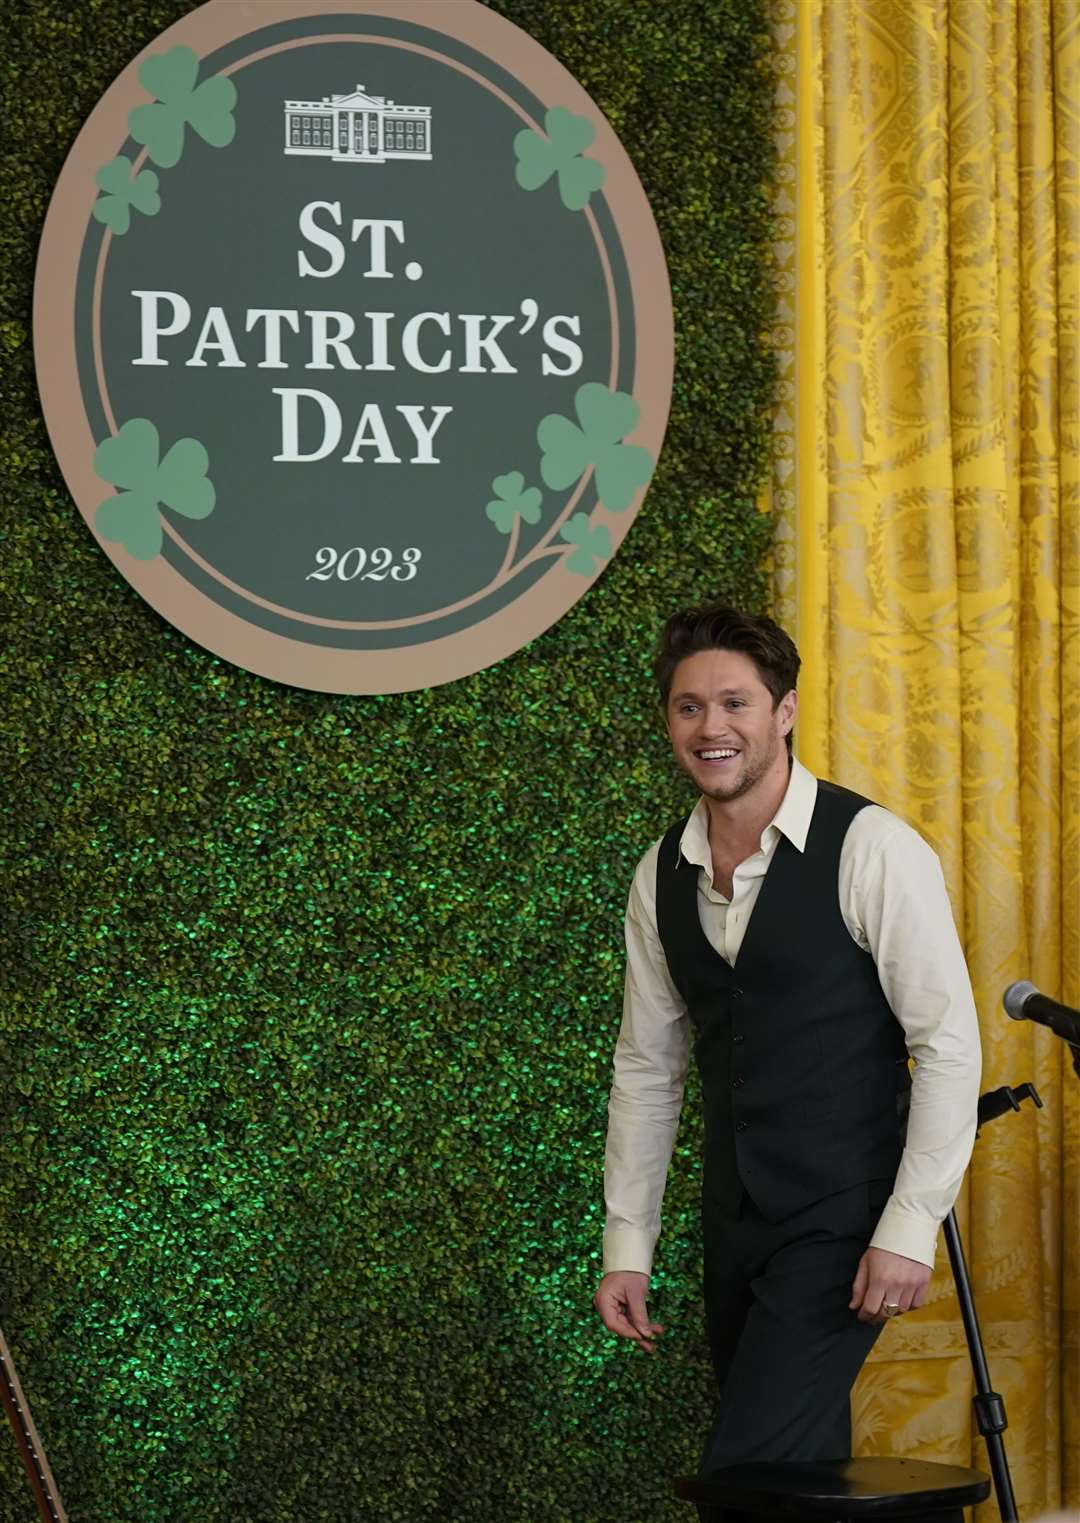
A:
x,y
788,707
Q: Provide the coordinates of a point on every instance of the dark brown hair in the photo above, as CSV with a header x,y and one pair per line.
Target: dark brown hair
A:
x,y
716,626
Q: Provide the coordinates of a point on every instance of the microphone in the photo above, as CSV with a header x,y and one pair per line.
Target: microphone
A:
x,y
1023,1002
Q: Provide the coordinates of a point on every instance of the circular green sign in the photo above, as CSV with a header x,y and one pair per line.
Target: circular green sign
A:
x,y
353,337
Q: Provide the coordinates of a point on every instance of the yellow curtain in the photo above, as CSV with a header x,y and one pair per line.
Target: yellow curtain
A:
x,y
926,492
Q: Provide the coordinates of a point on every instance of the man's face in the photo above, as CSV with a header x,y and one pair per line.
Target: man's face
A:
x,y
724,731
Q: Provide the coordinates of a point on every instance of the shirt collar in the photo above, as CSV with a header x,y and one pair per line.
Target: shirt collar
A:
x,y
792,819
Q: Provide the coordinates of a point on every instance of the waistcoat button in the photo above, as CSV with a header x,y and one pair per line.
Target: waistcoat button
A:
x,y
740,1126
737,1083
736,994
736,1036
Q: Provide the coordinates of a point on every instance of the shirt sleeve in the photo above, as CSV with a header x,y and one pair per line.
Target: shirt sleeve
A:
x,y
650,1064
897,907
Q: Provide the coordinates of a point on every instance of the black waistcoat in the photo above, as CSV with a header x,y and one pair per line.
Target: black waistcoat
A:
x,y
803,1064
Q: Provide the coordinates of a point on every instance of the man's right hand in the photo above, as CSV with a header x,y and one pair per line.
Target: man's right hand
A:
x,y
620,1300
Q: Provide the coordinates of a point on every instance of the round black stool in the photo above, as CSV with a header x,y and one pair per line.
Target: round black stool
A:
x,y
841,1491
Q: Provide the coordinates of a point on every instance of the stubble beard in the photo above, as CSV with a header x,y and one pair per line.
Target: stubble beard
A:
x,y
749,777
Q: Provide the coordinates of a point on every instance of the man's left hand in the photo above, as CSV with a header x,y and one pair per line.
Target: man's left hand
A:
x,y
888,1279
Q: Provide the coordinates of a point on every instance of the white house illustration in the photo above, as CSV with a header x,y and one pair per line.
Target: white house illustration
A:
x,y
357,129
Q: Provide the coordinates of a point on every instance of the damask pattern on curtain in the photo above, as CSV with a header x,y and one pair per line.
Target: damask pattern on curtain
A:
x,y
926,492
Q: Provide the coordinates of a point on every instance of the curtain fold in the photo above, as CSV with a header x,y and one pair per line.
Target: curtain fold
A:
x,y
926,498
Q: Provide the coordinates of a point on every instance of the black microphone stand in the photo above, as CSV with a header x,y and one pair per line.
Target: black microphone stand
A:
x,y
989,1404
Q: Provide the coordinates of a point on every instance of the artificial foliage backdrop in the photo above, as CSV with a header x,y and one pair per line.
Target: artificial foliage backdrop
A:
x,y
309,1001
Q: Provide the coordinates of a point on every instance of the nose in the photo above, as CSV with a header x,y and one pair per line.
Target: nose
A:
x,y
713,723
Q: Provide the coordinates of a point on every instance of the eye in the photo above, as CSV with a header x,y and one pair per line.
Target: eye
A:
x,y
736,703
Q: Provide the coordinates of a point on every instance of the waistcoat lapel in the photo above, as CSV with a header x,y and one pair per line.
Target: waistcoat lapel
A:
x,y
783,866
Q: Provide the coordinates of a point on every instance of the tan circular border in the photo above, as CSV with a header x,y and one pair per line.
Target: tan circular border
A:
x,y
278,657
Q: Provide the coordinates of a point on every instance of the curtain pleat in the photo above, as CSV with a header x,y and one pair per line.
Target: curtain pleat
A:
x,y
926,498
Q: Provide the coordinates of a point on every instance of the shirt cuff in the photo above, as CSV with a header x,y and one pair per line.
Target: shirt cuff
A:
x,y
900,1231
628,1248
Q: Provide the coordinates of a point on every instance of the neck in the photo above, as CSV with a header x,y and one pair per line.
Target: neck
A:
x,y
739,821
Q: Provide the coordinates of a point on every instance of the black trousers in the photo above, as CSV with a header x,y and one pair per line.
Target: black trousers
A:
x,y
785,1348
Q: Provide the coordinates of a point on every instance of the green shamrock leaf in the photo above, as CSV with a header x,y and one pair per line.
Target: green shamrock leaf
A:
x,y
568,450
182,482
538,158
513,501
122,193
593,544
129,460
133,519
170,77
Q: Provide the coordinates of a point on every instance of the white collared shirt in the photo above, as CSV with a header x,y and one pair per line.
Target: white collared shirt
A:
x,y
895,905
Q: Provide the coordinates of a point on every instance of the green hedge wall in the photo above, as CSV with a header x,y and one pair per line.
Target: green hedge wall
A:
x,y
308,1001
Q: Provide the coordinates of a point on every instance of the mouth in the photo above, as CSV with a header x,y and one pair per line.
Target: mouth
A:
x,y
717,756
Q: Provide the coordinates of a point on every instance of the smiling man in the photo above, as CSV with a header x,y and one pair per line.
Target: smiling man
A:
x,y
801,939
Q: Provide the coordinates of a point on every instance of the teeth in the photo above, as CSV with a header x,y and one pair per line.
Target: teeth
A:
x,y
716,755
